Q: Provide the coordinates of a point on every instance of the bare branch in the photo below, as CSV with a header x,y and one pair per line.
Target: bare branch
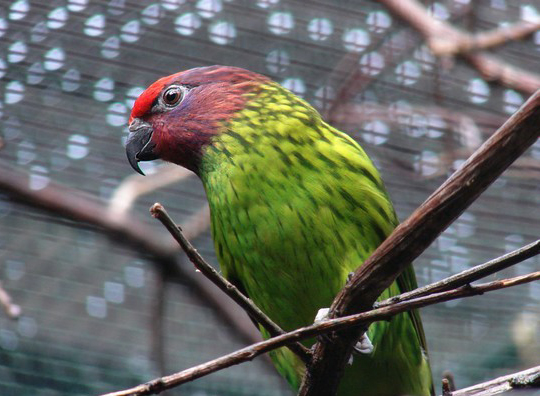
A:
x,y
249,353
494,69
414,235
524,379
134,186
499,36
159,212
445,40
471,274
12,310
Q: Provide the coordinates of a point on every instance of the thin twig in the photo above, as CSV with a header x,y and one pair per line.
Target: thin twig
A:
x,y
469,275
249,353
134,186
157,319
499,36
524,379
414,235
446,40
493,69
159,212
12,310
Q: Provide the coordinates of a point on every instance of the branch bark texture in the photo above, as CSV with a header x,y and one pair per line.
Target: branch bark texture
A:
x,y
524,379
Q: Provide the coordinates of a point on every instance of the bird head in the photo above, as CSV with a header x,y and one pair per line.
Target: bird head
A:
x,y
177,116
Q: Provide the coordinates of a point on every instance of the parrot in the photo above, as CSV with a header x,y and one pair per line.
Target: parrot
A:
x,y
296,205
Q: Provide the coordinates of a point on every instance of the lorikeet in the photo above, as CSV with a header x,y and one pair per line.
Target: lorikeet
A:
x,y
296,205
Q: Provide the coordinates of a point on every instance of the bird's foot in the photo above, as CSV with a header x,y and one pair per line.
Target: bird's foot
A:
x,y
363,346
322,314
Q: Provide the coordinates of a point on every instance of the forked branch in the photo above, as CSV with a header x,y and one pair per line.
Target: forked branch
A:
x,y
446,40
12,310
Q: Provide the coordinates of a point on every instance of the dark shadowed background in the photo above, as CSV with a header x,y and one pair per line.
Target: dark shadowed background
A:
x,y
98,315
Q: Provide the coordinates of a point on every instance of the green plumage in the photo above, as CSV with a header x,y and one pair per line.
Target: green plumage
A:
x,y
297,205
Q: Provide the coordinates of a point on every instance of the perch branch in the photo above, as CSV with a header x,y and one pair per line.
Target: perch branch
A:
x,y
524,379
159,212
324,327
414,235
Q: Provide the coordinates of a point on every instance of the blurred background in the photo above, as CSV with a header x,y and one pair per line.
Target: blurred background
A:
x,y
107,301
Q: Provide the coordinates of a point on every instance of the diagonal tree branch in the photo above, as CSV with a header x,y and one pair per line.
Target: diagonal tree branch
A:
x,y
159,212
324,327
414,235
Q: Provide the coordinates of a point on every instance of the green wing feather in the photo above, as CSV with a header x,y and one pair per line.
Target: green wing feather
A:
x,y
406,282
296,205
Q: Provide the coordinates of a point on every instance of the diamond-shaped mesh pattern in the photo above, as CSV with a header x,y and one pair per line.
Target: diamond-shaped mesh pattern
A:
x,y
70,71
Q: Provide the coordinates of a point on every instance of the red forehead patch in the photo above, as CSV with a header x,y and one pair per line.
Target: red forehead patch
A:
x,y
143,104
242,79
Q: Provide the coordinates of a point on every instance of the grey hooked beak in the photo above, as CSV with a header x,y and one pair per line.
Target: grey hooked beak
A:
x,y
139,145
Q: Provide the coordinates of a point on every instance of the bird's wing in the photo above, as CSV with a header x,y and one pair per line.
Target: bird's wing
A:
x,y
406,282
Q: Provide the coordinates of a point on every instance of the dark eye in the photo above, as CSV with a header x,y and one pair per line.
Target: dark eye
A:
x,y
173,96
